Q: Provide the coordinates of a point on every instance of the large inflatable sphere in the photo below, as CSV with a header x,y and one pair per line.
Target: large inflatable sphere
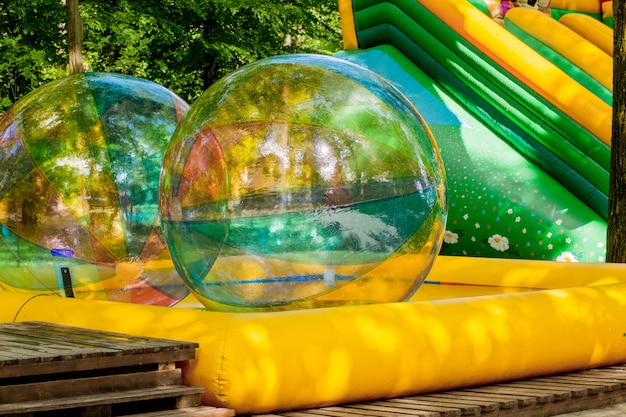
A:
x,y
80,159
302,181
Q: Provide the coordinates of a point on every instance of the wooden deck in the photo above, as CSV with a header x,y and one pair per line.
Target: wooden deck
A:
x,y
53,370
539,397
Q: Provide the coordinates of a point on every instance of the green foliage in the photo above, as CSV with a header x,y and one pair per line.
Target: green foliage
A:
x,y
31,46
184,45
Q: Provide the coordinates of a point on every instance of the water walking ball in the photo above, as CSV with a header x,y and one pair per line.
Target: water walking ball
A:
x,y
80,160
302,181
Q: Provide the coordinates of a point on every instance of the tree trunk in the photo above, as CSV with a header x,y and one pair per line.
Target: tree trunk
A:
x,y
616,234
75,34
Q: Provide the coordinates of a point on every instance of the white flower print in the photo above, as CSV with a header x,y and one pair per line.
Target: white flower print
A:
x,y
450,237
499,243
566,257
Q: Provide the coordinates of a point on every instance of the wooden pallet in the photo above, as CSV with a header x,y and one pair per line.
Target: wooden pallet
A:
x,y
54,370
538,397
191,412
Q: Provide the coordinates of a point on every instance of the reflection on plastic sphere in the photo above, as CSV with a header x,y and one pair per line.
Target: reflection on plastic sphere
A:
x,y
302,181
80,160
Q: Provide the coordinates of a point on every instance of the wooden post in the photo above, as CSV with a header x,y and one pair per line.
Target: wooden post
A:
x,y
616,234
75,37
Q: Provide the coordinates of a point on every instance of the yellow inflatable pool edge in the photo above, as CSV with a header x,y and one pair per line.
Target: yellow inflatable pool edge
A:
x,y
259,362
521,273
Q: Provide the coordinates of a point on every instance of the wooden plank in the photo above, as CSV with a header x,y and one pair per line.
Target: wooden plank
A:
x,y
47,351
561,391
608,371
54,343
202,411
91,364
439,404
94,338
39,391
101,410
186,400
359,411
570,406
326,411
20,356
610,384
23,347
32,342
101,399
50,340
269,415
312,413
346,411
505,401
84,341
349,412
466,400
148,343
414,404
557,393
406,405
621,367
607,374
7,360
541,396
594,385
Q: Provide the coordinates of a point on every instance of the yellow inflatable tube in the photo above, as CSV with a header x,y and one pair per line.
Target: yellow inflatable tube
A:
x,y
260,362
581,52
591,29
580,6
607,12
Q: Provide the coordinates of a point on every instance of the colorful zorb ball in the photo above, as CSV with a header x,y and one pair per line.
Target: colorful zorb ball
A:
x,y
80,159
302,181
